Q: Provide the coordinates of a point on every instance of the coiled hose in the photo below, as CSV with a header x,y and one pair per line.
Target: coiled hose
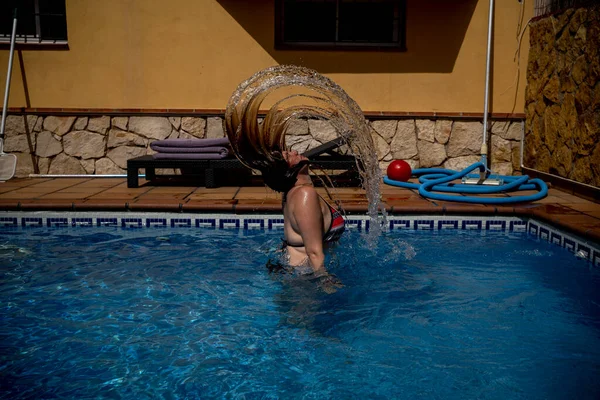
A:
x,y
435,180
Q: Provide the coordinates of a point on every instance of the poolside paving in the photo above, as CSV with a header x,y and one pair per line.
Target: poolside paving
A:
x,y
565,210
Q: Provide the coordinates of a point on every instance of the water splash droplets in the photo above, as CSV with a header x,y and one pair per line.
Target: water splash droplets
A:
x,y
316,97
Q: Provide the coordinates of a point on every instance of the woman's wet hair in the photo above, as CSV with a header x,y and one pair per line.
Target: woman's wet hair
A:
x,y
281,177
260,144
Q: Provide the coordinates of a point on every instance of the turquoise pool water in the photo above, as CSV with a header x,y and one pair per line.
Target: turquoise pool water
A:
x,y
185,314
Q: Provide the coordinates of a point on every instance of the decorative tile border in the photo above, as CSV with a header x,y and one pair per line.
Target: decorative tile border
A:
x,y
579,247
50,219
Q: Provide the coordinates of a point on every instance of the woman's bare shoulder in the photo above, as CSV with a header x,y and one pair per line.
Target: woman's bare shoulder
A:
x,y
302,193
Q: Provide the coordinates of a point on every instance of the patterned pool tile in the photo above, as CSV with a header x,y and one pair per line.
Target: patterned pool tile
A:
x,y
580,247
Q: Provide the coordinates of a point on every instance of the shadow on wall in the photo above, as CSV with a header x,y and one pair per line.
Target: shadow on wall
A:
x,y
435,30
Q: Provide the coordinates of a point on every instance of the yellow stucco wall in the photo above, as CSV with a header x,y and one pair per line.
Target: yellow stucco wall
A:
x,y
193,53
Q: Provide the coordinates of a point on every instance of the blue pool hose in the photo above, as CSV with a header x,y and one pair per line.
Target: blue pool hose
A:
x,y
434,180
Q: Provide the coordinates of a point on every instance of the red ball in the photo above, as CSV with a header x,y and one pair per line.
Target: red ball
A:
x,y
399,170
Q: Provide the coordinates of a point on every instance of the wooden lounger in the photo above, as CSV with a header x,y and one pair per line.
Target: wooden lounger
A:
x,y
323,157
150,164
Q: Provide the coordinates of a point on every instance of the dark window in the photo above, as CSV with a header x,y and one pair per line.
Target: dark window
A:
x,y
340,23
38,21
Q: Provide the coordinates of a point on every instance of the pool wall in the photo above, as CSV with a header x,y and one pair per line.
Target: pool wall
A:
x,y
580,247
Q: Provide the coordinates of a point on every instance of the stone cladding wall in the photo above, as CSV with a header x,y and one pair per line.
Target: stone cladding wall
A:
x,y
562,128
75,145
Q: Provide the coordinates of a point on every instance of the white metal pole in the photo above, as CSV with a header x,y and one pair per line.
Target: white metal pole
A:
x,y
8,76
484,149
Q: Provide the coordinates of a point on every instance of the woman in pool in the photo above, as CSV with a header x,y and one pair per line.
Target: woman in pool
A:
x,y
310,222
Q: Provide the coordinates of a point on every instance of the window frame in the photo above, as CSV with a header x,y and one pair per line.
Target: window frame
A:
x,y
37,39
399,30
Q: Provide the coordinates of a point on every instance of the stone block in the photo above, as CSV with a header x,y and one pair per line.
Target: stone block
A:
x,y
385,128
58,125
119,122
117,137
84,144
47,145
176,122
381,146
62,164
466,139
322,130
425,130
99,124
501,149
24,165
157,128
431,154
460,163
442,131
579,70
404,145
195,126
120,155
18,143
215,130
551,90
80,123
105,166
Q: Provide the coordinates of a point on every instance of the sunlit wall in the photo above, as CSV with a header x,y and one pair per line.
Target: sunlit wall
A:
x,y
191,54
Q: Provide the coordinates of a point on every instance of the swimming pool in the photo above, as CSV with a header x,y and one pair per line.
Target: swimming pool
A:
x,y
495,310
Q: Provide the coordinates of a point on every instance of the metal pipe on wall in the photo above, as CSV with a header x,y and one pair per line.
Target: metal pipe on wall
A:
x,y
8,79
484,149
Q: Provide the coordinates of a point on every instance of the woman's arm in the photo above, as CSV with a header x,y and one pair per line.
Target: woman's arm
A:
x,y
309,218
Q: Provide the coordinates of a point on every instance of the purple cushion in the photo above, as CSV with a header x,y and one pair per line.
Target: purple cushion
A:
x,y
188,156
191,142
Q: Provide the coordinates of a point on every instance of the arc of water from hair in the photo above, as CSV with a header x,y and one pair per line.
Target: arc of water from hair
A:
x,y
253,143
